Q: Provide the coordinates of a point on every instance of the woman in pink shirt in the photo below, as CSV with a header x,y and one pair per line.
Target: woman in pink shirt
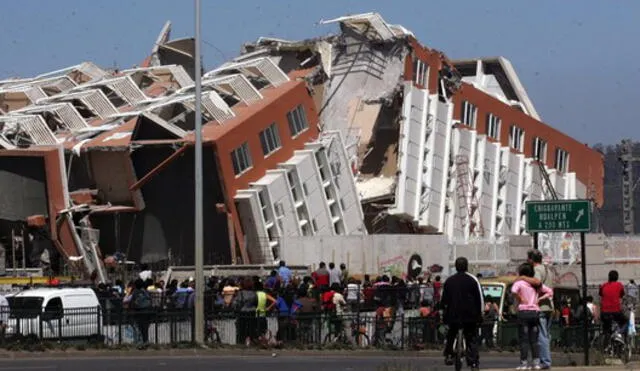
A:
x,y
528,315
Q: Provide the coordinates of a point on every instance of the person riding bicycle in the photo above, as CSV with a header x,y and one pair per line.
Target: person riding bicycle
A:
x,y
462,303
611,294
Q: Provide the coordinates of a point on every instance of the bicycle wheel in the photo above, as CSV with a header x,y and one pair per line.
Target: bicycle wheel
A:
x,y
361,340
331,338
213,337
459,351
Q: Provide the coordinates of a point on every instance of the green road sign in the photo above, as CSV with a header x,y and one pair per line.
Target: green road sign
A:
x,y
559,216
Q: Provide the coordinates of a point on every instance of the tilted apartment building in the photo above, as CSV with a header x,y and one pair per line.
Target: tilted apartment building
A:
x,y
437,146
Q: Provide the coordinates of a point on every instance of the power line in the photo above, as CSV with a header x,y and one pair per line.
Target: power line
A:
x,y
220,52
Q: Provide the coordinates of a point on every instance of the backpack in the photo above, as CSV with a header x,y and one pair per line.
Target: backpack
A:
x,y
142,300
327,301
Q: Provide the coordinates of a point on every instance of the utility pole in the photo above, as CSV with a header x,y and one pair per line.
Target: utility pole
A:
x,y
198,253
628,186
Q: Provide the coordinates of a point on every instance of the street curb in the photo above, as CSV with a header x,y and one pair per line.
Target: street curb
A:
x,y
581,368
222,352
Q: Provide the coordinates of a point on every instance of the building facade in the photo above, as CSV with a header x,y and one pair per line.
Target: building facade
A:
x,y
438,146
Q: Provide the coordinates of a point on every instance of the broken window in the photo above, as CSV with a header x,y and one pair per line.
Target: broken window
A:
x,y
469,114
420,72
270,139
113,97
516,138
540,149
241,159
297,121
493,126
83,109
562,160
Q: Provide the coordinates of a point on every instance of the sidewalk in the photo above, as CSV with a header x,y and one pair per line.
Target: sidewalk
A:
x,y
583,368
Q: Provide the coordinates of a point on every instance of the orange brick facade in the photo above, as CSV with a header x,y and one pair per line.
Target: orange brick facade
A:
x,y
586,162
249,131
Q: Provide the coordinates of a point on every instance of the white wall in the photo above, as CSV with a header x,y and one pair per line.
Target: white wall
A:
x,y
372,254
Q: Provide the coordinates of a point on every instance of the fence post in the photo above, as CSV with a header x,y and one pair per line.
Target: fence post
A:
x,y
59,326
171,328
402,332
100,321
40,324
192,321
158,319
120,326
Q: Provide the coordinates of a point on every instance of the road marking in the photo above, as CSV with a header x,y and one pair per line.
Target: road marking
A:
x,y
29,368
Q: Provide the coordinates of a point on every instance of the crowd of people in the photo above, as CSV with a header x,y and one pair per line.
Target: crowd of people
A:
x,y
331,291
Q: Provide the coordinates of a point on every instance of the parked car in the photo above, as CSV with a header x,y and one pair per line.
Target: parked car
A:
x,y
55,313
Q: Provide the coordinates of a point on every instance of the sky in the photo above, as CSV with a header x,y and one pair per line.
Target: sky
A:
x,y
579,60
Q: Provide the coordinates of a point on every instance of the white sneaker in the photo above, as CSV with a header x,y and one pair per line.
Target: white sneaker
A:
x,y
523,366
536,365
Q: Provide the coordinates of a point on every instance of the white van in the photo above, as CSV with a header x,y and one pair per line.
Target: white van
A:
x,y
55,313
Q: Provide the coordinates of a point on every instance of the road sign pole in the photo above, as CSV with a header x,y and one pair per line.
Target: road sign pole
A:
x,y
535,241
585,335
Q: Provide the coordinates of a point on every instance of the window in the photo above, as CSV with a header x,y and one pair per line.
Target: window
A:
x,y
305,189
420,72
493,126
241,159
314,225
562,160
516,138
270,139
262,198
292,184
539,149
297,121
53,309
469,114
323,169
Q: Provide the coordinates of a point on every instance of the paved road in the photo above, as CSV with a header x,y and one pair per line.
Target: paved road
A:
x,y
250,363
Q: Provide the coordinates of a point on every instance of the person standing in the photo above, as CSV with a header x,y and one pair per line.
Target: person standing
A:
x,y
632,293
321,277
285,273
528,317
611,294
335,275
437,290
542,277
463,305
344,273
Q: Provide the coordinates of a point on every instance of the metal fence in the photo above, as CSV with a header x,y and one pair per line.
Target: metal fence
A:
x,y
402,331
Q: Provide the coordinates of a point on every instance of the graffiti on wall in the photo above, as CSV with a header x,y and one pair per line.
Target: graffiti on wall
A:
x,y
408,267
560,247
622,249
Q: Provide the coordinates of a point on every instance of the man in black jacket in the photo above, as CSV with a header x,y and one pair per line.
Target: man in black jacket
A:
x,y
463,304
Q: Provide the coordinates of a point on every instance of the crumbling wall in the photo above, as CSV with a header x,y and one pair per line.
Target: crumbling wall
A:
x,y
361,71
23,191
165,228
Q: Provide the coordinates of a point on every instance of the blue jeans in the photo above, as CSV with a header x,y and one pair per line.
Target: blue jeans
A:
x,y
544,339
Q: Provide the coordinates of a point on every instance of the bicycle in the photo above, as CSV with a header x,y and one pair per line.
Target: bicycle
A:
x,y
460,347
211,335
359,336
618,343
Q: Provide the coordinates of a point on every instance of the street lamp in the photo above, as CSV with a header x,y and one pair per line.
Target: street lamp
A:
x,y
198,253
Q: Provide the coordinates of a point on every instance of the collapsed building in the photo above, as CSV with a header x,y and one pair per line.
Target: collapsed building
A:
x,y
438,145
97,163
366,131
